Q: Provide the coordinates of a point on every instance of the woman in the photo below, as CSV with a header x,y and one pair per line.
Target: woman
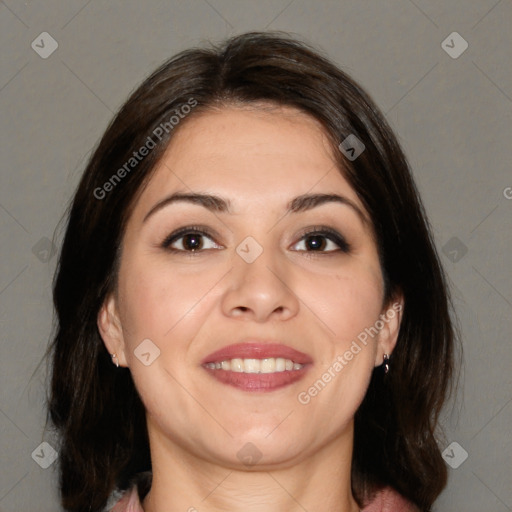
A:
x,y
251,311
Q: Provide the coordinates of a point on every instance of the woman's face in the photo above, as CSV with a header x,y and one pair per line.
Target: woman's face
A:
x,y
248,235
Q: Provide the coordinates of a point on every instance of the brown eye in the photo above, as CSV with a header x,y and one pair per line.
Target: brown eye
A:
x,y
189,240
322,241
315,243
192,242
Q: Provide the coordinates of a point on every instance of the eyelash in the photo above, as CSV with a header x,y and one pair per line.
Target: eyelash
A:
x,y
324,231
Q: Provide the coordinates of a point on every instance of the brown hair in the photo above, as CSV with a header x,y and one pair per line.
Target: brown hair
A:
x,y
95,407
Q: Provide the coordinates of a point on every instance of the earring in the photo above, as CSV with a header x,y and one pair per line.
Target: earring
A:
x,y
116,362
386,363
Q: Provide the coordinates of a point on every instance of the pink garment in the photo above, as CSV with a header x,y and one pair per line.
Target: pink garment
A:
x,y
129,502
386,500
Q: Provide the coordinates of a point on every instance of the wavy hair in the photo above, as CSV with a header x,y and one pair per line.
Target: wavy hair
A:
x,y
95,407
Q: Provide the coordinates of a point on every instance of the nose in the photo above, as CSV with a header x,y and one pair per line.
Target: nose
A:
x,y
259,291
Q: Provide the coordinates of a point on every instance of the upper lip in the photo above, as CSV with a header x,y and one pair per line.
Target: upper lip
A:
x,y
257,350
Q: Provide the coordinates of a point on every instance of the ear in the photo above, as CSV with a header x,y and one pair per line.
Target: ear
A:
x,y
391,316
111,331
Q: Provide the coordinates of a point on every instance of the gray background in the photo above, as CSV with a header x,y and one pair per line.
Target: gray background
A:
x,y
452,116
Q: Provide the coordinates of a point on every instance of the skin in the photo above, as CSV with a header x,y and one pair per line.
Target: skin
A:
x,y
190,305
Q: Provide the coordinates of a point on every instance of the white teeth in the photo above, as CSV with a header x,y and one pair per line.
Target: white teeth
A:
x,y
280,364
237,365
252,365
267,365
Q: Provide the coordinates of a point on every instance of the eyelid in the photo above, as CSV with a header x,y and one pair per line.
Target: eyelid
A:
x,y
185,230
329,233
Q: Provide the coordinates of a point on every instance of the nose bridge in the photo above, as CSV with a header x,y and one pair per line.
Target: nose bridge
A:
x,y
256,275
260,273
258,284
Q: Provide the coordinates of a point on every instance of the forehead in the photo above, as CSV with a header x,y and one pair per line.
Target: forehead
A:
x,y
267,155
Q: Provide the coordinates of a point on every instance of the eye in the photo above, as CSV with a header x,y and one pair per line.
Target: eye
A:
x,y
190,239
320,240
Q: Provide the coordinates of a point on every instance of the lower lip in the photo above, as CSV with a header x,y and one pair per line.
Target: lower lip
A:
x,y
262,382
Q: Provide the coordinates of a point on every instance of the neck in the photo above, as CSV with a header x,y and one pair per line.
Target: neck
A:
x,y
184,482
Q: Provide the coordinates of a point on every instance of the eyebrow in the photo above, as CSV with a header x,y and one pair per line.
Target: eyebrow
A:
x,y
214,203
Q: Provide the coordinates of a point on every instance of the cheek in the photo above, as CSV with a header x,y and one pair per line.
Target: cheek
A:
x,y
162,304
347,304
347,301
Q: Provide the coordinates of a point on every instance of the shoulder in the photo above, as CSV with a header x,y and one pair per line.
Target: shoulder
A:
x,y
389,500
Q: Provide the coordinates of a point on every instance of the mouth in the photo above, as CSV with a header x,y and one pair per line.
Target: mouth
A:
x,y
257,366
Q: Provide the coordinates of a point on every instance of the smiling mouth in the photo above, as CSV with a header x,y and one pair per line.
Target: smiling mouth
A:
x,y
267,365
255,366
251,381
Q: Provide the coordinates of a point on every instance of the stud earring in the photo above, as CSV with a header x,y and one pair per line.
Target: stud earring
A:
x,y
116,362
386,363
